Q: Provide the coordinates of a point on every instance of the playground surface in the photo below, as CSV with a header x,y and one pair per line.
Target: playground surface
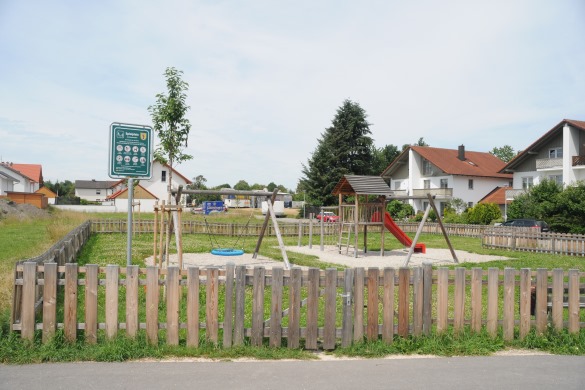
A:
x,y
330,254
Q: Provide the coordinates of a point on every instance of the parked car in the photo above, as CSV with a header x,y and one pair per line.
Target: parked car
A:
x,y
328,216
532,223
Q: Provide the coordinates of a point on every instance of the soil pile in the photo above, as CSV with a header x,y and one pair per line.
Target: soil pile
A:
x,y
9,209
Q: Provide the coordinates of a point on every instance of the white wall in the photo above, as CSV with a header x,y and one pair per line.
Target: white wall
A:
x,y
159,188
481,187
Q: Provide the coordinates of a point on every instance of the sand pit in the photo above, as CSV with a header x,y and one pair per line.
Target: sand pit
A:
x,y
330,254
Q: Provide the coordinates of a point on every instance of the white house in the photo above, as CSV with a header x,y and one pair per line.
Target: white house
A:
x,y
444,173
95,190
558,155
26,178
149,191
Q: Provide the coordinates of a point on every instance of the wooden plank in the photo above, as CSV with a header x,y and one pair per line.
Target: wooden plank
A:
x,y
193,307
574,301
329,334
152,300
541,300
240,305
173,301
347,318
388,306
212,305
525,297
294,314
112,275
276,308
358,292
417,301
493,301
476,299
509,287
557,299
372,325
29,283
132,300
70,309
258,306
228,318
312,309
442,299
403,300
91,302
459,300
427,297
50,302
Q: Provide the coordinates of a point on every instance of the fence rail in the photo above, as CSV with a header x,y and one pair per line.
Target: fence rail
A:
x,y
309,308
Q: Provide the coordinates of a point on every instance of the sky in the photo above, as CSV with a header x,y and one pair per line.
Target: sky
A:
x,y
266,77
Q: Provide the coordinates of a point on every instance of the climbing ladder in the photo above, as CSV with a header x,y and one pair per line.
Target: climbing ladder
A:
x,y
346,229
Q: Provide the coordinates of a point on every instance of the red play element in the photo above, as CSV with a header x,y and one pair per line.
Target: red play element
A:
x,y
398,233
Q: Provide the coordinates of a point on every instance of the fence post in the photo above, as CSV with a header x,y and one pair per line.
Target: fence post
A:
x,y
50,302
276,307
112,290
427,297
152,300
131,300
294,314
508,321
347,323
372,325
573,301
193,307
240,302
312,309
403,300
212,300
541,299
476,298
70,309
358,293
173,300
91,303
525,299
258,307
29,282
493,301
228,319
459,300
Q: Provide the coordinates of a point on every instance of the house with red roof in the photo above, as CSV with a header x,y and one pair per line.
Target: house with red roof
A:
x,y
147,191
445,174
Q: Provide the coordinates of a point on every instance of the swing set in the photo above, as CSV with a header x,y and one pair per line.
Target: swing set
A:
x,y
217,249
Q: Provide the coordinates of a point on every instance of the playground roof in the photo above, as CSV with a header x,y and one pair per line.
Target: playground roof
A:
x,y
361,185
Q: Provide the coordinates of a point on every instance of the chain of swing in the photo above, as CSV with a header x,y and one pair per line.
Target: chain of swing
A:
x,y
212,237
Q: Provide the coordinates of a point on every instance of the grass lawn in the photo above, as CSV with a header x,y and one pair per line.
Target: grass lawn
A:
x,y
26,239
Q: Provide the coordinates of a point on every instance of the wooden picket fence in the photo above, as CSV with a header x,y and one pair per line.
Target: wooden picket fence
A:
x,y
529,240
308,308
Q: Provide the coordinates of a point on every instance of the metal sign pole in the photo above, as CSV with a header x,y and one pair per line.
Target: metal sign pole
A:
x,y
129,240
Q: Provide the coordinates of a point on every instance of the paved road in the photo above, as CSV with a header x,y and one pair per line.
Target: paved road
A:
x,y
496,372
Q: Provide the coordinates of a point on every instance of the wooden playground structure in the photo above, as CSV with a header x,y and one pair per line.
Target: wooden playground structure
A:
x,y
368,209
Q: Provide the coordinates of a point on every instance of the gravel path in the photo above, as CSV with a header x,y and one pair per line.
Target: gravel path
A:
x,y
330,254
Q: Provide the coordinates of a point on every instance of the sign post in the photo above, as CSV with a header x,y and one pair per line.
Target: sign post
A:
x,y
130,157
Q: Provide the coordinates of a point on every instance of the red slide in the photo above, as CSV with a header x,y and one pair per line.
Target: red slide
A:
x,y
398,233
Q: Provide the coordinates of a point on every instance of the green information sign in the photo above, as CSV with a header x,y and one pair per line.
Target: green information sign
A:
x,y
130,151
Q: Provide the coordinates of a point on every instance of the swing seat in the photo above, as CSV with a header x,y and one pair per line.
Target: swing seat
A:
x,y
227,252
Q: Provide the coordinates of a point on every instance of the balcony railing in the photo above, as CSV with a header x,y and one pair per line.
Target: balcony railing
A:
x,y
548,163
511,194
440,192
578,160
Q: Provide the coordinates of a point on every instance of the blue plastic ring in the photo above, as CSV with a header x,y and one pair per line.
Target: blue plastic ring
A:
x,y
227,252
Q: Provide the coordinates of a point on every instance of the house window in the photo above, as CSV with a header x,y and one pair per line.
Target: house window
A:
x,y
425,205
163,177
444,183
555,153
527,182
396,185
98,192
469,204
557,179
427,168
470,184
426,184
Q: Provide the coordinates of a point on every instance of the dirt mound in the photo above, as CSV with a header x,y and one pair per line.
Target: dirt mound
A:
x,y
9,209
